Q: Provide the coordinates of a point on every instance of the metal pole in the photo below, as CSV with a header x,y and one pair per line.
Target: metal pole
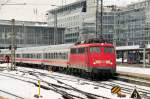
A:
x,y
114,10
13,45
144,50
55,26
101,19
97,5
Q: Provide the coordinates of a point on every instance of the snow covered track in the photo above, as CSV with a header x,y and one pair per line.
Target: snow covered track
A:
x,y
11,94
54,87
126,88
134,80
88,95
61,86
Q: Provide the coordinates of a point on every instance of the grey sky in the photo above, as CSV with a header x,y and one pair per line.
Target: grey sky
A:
x,y
37,8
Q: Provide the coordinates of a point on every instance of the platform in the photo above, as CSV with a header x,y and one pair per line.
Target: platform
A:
x,y
134,70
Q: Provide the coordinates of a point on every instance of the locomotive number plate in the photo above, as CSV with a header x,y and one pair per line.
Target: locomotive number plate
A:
x,y
97,61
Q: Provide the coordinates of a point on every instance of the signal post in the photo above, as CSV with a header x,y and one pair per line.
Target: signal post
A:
x,y
13,46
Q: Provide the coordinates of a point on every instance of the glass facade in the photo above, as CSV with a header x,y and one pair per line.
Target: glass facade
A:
x,y
79,24
134,24
29,35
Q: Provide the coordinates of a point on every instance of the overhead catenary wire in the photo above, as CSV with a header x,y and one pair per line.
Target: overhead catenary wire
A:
x,y
4,4
41,4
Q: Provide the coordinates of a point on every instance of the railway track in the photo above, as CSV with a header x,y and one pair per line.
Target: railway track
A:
x,y
11,94
138,81
56,88
126,88
64,89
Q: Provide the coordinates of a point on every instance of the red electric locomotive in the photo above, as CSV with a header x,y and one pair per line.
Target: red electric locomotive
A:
x,y
97,58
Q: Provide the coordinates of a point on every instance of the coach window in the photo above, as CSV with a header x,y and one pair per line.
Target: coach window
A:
x,y
34,56
95,49
59,55
48,55
18,55
51,55
45,55
23,56
66,55
38,56
27,55
56,55
63,55
31,55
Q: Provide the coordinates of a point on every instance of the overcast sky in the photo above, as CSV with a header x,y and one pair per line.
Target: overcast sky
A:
x,y
36,9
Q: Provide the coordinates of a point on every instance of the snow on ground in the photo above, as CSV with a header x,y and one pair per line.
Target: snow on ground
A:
x,y
28,90
139,70
23,89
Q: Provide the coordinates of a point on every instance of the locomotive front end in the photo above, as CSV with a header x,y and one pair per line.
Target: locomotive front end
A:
x,y
102,58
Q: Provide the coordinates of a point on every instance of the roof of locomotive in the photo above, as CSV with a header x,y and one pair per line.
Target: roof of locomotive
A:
x,y
93,44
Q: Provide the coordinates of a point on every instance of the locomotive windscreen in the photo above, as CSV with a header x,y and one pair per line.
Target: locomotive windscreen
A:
x,y
109,50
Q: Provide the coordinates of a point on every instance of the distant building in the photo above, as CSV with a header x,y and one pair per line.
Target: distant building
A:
x,y
79,20
134,23
29,33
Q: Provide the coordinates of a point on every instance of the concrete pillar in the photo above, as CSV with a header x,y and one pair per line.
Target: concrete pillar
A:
x,y
149,58
122,56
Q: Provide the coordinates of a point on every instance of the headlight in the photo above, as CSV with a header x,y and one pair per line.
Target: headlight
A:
x,y
108,62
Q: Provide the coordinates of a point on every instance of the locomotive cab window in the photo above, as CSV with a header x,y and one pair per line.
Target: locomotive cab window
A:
x,y
94,49
73,50
108,49
81,50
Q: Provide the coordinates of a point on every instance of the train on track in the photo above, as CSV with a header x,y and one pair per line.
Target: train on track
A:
x,y
92,57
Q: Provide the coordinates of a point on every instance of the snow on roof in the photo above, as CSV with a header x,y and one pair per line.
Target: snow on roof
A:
x,y
127,47
133,47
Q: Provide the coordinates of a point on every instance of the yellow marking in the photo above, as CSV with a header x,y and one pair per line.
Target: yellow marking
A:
x,y
113,90
116,89
39,88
